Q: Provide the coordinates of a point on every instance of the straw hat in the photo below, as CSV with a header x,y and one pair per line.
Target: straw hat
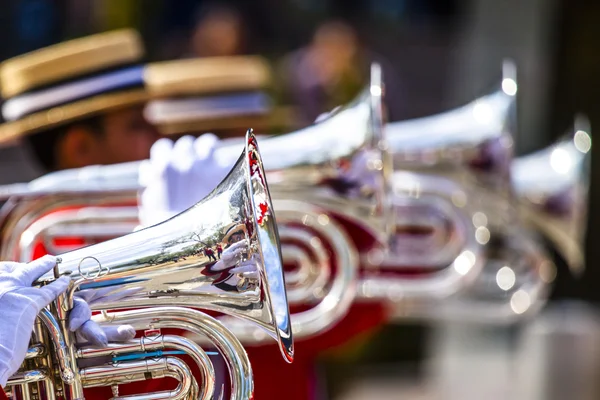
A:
x,y
208,94
70,81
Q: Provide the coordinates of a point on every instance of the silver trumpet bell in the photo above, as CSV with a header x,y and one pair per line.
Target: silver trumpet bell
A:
x,y
476,137
552,188
161,276
341,161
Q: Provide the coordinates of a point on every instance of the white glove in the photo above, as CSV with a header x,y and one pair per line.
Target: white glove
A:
x,y
231,256
89,332
20,303
178,175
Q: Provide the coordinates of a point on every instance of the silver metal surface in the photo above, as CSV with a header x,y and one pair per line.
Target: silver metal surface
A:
x,y
552,187
164,265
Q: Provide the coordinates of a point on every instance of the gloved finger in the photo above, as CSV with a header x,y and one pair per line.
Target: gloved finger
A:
x,y
232,254
183,153
50,292
205,146
237,245
8,267
79,315
29,272
120,333
145,173
160,152
235,253
248,266
92,332
180,178
228,260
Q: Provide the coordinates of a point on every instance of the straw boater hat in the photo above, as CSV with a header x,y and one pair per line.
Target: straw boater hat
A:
x,y
70,81
210,94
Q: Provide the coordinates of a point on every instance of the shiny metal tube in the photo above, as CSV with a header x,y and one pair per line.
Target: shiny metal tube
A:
x,y
161,342
448,267
50,387
453,136
199,323
36,350
67,371
508,290
135,370
21,378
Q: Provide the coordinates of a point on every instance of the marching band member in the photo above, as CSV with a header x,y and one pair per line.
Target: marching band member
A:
x,y
20,303
79,102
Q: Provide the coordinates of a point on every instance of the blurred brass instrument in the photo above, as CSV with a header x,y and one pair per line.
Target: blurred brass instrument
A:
x,y
514,201
449,169
444,224
552,188
157,278
309,171
322,188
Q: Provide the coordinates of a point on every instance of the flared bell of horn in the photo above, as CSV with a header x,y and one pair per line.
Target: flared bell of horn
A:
x,y
552,187
471,145
477,134
341,160
175,262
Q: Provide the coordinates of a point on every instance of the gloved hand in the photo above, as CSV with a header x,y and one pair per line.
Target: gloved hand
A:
x,y
231,256
178,175
20,303
89,332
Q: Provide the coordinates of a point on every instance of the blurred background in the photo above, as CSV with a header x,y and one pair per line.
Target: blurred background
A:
x,y
436,55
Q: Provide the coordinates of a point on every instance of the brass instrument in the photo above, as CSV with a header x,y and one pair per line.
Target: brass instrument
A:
x,y
546,193
320,184
156,278
552,188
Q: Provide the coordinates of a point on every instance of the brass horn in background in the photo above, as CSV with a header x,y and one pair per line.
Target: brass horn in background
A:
x,y
552,189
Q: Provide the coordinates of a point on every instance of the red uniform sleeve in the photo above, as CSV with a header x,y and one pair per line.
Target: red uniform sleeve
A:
x,y
3,395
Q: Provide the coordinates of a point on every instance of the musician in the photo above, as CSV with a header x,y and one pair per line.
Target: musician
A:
x,y
20,303
79,102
